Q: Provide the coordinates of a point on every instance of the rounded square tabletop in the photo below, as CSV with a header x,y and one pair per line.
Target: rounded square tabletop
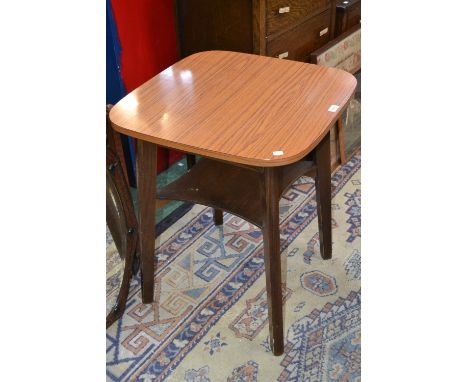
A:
x,y
237,107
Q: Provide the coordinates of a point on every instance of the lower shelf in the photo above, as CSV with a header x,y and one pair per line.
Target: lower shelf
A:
x,y
238,190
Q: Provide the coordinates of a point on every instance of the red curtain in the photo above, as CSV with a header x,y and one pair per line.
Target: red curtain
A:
x,y
147,36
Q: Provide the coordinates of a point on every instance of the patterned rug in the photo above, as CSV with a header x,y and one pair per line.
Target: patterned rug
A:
x,y
210,322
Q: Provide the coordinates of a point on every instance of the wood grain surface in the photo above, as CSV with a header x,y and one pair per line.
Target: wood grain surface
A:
x,y
301,40
272,255
323,195
258,27
298,10
237,107
234,189
146,166
214,24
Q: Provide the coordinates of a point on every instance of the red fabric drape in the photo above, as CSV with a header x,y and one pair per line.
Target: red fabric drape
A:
x,y
147,37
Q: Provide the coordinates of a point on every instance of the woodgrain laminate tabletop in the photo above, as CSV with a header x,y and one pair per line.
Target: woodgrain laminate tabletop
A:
x,y
237,107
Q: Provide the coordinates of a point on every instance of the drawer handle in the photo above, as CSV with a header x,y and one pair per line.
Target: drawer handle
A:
x,y
283,10
283,55
323,31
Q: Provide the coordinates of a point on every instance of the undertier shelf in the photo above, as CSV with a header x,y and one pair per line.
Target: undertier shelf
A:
x,y
235,189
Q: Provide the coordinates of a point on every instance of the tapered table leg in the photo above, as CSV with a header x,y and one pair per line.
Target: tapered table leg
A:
x,y
217,216
191,160
146,185
341,139
323,192
271,241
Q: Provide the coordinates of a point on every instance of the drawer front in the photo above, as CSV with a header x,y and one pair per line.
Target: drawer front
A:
x,y
299,42
281,14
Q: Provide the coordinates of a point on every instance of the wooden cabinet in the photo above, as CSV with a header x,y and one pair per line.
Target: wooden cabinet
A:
x,y
289,29
300,41
284,14
348,14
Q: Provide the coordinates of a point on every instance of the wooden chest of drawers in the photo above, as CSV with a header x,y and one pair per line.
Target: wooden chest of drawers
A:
x,y
289,29
348,14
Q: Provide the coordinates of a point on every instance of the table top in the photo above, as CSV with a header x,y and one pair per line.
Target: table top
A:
x,y
237,107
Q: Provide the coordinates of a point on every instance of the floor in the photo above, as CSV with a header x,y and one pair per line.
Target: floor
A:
x,y
211,302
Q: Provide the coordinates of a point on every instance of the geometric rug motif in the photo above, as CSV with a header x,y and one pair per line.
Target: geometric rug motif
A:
x,y
353,264
245,373
255,315
214,344
200,375
313,246
205,277
319,283
325,344
354,210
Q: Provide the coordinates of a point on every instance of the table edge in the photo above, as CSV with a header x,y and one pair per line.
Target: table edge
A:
x,y
273,162
276,162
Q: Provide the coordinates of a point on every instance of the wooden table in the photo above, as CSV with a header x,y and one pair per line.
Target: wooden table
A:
x,y
259,123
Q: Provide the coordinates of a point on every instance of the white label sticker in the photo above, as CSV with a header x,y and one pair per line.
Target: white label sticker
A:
x,y
283,55
323,31
333,108
283,10
277,153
